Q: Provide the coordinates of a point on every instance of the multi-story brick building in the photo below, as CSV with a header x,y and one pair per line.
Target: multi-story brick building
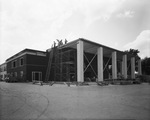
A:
x,y
27,65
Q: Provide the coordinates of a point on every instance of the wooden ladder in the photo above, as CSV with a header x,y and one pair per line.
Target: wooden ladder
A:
x,y
49,65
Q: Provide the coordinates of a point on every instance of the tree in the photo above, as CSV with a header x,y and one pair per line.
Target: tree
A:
x,y
133,52
146,66
145,61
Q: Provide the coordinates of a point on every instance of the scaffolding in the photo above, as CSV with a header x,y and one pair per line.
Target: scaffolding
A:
x,y
61,65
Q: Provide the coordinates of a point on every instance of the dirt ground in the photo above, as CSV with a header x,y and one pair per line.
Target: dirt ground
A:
x,y
25,101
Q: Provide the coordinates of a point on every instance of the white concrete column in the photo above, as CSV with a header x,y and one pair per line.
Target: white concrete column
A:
x,y
139,67
100,63
124,66
80,60
133,68
114,65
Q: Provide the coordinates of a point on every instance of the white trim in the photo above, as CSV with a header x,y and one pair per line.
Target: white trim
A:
x,y
40,54
29,53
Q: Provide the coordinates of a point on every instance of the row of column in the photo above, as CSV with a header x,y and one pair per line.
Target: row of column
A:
x,y
124,67
80,64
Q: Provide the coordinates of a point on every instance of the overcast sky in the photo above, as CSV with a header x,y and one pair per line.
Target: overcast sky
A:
x,y
35,24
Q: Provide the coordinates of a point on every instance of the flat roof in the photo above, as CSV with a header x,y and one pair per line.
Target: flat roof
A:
x,y
24,51
91,47
3,64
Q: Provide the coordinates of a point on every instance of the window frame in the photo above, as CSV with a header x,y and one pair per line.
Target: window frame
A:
x,y
21,74
14,65
21,61
33,75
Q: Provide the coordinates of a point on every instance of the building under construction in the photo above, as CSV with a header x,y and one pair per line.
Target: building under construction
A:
x,y
85,61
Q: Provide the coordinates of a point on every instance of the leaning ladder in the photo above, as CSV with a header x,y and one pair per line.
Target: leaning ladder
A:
x,y
49,65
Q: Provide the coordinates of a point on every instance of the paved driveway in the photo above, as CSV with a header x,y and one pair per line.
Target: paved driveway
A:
x,y
25,101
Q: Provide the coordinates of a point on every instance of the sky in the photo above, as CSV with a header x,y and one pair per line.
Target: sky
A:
x,y
35,24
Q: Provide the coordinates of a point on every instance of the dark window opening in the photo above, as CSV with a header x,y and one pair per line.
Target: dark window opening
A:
x,y
21,61
13,64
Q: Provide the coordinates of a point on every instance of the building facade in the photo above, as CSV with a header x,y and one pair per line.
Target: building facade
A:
x,y
78,61
83,60
3,71
27,65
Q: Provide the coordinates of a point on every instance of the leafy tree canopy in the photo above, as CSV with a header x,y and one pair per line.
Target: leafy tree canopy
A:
x,y
146,66
132,51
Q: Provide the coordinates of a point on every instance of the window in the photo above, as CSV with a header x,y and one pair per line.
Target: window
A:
x,y
21,61
21,74
4,68
12,74
15,74
14,64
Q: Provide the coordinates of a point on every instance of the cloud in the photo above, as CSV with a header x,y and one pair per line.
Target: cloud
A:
x,y
71,36
27,22
99,9
142,43
126,14
35,16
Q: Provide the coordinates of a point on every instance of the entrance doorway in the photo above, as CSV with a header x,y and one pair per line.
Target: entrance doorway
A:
x,y
36,76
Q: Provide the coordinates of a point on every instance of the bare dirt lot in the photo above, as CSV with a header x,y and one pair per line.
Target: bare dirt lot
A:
x,y
25,101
